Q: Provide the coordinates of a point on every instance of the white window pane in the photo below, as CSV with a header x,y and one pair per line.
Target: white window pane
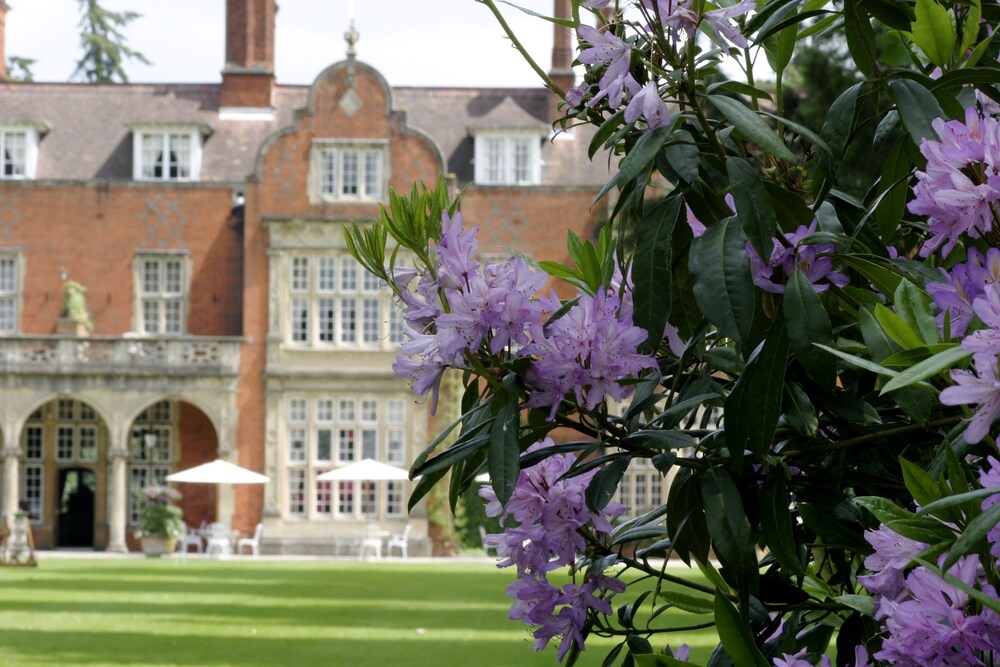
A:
x,y
7,322
88,444
152,154
14,154
33,443
396,411
180,156
395,446
348,275
326,320
346,411
371,321
33,490
8,275
172,317
173,280
297,445
345,444
522,160
369,410
151,276
345,498
327,274
369,498
348,321
151,316
369,444
297,410
324,444
324,410
328,172
297,492
373,174
324,497
300,274
396,323
300,320
349,173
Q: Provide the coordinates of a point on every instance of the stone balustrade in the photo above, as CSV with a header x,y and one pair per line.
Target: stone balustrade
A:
x,y
93,355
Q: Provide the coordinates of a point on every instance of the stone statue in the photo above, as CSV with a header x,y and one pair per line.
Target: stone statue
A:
x,y
75,305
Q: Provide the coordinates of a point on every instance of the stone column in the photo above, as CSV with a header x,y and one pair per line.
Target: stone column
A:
x,y
11,473
118,500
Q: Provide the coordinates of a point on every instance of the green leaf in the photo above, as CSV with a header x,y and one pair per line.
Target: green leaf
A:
x,y
917,107
973,538
736,636
984,599
914,305
723,285
753,406
657,439
893,190
858,362
776,523
907,358
932,32
604,484
885,280
604,132
688,603
753,206
682,154
948,502
897,328
799,410
860,38
505,450
728,525
862,603
752,127
906,523
839,123
637,160
651,269
937,364
921,486
807,323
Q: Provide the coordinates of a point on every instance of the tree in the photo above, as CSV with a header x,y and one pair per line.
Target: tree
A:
x,y
19,68
816,374
104,48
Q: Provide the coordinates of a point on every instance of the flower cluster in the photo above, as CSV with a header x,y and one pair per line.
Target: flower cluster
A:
x,y
927,621
959,191
543,522
962,285
157,494
459,308
789,253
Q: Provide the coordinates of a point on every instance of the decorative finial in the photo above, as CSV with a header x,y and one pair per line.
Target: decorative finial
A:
x,y
352,38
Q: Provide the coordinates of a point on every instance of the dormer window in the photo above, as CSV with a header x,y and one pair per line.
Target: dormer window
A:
x,y
18,152
508,159
167,154
349,171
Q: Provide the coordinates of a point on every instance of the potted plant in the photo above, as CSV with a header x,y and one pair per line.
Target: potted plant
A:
x,y
160,522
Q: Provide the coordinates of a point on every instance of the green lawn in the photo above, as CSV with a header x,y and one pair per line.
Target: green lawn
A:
x,y
149,612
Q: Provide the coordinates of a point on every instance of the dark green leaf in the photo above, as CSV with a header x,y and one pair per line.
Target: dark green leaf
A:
x,y
651,269
921,486
893,190
807,322
860,37
839,123
937,364
956,500
799,410
917,107
658,440
753,206
689,603
604,484
735,635
637,160
754,405
914,306
973,538
932,31
505,451
683,156
776,523
727,524
752,127
723,286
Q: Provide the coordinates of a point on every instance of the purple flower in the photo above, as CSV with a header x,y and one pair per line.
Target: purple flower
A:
x,y
987,307
813,261
990,479
605,48
981,388
892,554
955,203
589,351
648,105
543,518
799,660
964,283
721,22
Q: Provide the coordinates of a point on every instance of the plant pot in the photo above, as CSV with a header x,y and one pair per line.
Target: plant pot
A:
x,y
154,547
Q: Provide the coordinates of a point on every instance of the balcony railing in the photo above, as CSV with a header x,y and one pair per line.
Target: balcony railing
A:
x,y
94,355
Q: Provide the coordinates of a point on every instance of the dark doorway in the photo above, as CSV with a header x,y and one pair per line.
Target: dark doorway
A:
x,y
77,488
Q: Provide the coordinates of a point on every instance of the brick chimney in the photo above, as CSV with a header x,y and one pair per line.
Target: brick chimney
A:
x,y
3,46
562,54
248,77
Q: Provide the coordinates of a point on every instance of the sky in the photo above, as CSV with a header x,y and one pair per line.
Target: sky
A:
x,y
430,43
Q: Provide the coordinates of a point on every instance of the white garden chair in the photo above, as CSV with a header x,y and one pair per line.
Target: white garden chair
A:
x,y
252,542
398,541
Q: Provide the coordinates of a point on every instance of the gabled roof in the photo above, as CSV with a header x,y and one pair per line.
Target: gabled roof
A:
x,y
508,115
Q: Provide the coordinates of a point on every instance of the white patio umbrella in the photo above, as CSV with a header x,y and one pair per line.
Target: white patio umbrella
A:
x,y
218,472
365,470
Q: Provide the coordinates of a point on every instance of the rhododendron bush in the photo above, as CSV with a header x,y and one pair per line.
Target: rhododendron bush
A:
x,y
814,375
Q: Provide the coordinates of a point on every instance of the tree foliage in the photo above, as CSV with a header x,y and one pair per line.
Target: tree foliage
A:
x,y
104,45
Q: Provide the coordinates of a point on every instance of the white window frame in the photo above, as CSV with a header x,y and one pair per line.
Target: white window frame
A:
x,y
150,466
497,160
11,280
334,303
23,168
167,136
379,419
162,298
349,170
